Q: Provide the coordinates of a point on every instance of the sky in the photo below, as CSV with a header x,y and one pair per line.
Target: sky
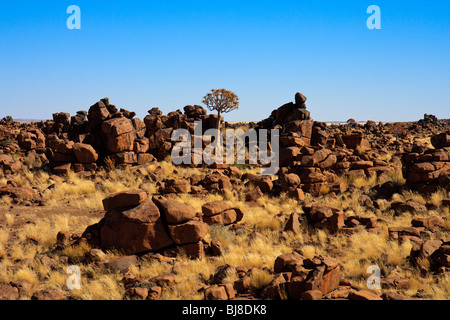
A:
x,y
168,54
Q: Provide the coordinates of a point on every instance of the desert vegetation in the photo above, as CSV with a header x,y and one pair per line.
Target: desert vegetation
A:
x,y
99,191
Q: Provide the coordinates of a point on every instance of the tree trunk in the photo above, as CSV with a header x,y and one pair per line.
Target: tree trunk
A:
x,y
218,147
219,115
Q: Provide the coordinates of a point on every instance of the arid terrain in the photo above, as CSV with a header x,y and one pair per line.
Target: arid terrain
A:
x,y
98,191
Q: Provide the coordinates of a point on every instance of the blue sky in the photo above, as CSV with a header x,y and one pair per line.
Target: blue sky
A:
x,y
168,54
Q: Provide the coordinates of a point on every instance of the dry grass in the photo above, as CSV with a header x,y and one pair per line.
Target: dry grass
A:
x,y
256,244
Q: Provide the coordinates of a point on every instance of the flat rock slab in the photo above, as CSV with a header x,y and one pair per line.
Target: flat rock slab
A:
x,y
124,199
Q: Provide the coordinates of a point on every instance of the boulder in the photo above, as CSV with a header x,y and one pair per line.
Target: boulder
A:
x,y
188,232
124,199
118,134
215,207
441,140
134,230
85,153
175,212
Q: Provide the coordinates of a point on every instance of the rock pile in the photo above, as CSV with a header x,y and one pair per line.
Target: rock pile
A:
x,y
82,142
317,153
135,225
427,169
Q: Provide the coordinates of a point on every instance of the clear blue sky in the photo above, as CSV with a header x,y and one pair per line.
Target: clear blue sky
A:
x,y
167,54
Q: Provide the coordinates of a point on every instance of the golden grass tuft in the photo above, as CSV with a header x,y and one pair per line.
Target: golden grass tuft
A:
x,y
260,279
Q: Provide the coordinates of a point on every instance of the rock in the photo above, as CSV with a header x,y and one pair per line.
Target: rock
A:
x,y
154,293
225,218
430,223
97,113
290,182
85,153
48,294
293,223
429,247
137,293
177,186
300,100
193,250
119,134
216,248
175,212
355,140
134,230
121,264
124,199
287,262
325,216
25,288
397,296
20,193
96,255
408,206
253,195
363,295
8,292
164,280
215,207
441,140
312,295
62,238
62,169
396,232
189,232
264,183
216,292
243,284
13,167
276,288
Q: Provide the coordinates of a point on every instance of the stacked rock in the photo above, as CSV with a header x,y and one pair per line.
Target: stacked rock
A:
x,y
428,169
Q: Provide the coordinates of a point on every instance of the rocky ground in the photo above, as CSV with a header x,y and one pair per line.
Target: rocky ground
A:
x,y
97,190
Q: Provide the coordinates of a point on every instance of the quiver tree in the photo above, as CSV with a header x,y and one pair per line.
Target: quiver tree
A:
x,y
222,101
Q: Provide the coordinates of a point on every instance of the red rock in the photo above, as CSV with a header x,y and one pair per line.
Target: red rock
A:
x,y
363,295
441,140
224,218
287,262
49,294
312,295
189,232
62,169
430,223
85,153
215,207
216,292
253,195
21,193
119,134
120,264
127,157
293,223
134,230
175,212
193,250
8,292
429,247
177,186
124,199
